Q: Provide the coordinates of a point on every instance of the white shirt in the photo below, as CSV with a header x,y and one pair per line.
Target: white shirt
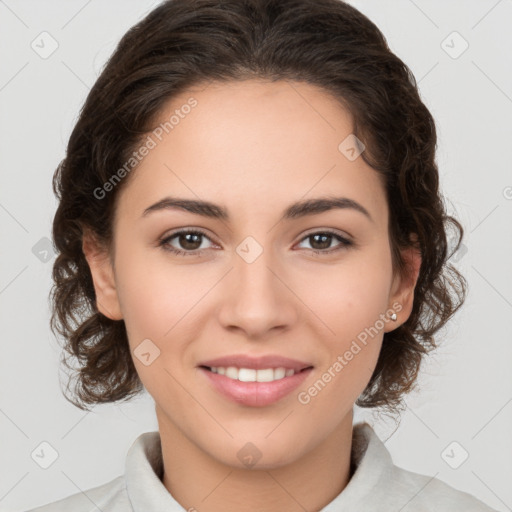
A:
x,y
377,485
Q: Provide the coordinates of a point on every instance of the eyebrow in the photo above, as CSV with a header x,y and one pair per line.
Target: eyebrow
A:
x,y
294,211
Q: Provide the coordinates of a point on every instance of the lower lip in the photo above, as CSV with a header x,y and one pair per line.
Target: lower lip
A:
x,y
255,394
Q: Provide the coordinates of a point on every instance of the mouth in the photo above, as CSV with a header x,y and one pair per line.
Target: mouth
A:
x,y
254,375
254,387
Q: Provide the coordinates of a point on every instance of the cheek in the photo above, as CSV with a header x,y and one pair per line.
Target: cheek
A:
x,y
160,303
349,297
154,293
350,301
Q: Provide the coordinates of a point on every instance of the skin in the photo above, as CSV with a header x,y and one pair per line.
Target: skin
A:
x,y
253,147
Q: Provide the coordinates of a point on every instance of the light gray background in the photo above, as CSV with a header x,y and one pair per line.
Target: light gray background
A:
x,y
465,390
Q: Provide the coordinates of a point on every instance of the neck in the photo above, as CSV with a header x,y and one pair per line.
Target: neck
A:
x,y
200,482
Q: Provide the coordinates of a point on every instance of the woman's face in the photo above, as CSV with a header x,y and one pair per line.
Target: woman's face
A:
x,y
251,284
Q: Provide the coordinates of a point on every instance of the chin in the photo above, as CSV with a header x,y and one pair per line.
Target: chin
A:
x,y
260,454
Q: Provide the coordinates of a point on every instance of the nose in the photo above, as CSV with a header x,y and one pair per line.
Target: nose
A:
x,y
256,297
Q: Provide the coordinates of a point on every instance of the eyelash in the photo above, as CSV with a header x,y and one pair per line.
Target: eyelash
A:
x,y
165,241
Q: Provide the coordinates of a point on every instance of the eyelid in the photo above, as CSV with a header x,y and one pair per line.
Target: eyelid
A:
x,y
345,241
188,229
330,231
164,240
310,232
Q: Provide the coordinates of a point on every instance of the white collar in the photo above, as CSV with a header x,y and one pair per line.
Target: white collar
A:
x,y
144,469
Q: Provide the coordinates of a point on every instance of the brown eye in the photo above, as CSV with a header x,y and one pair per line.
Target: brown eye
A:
x,y
321,242
189,242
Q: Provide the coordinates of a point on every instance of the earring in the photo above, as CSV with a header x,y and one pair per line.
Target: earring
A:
x,y
393,316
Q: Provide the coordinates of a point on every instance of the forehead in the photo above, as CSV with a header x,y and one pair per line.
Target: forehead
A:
x,y
252,145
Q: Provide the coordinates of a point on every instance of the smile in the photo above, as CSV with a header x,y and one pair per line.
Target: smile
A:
x,y
252,375
243,387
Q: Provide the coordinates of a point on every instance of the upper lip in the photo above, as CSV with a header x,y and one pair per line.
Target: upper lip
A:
x,y
256,363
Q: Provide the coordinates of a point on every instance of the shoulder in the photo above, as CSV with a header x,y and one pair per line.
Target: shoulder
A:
x,y
430,494
109,497
378,484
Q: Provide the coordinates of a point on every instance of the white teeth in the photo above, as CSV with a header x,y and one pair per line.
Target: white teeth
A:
x,y
247,375
232,372
267,375
279,373
252,375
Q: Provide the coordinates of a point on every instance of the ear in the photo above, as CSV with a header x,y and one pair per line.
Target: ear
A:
x,y
107,301
402,289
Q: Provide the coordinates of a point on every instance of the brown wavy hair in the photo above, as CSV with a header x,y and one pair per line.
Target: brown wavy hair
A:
x,y
181,43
